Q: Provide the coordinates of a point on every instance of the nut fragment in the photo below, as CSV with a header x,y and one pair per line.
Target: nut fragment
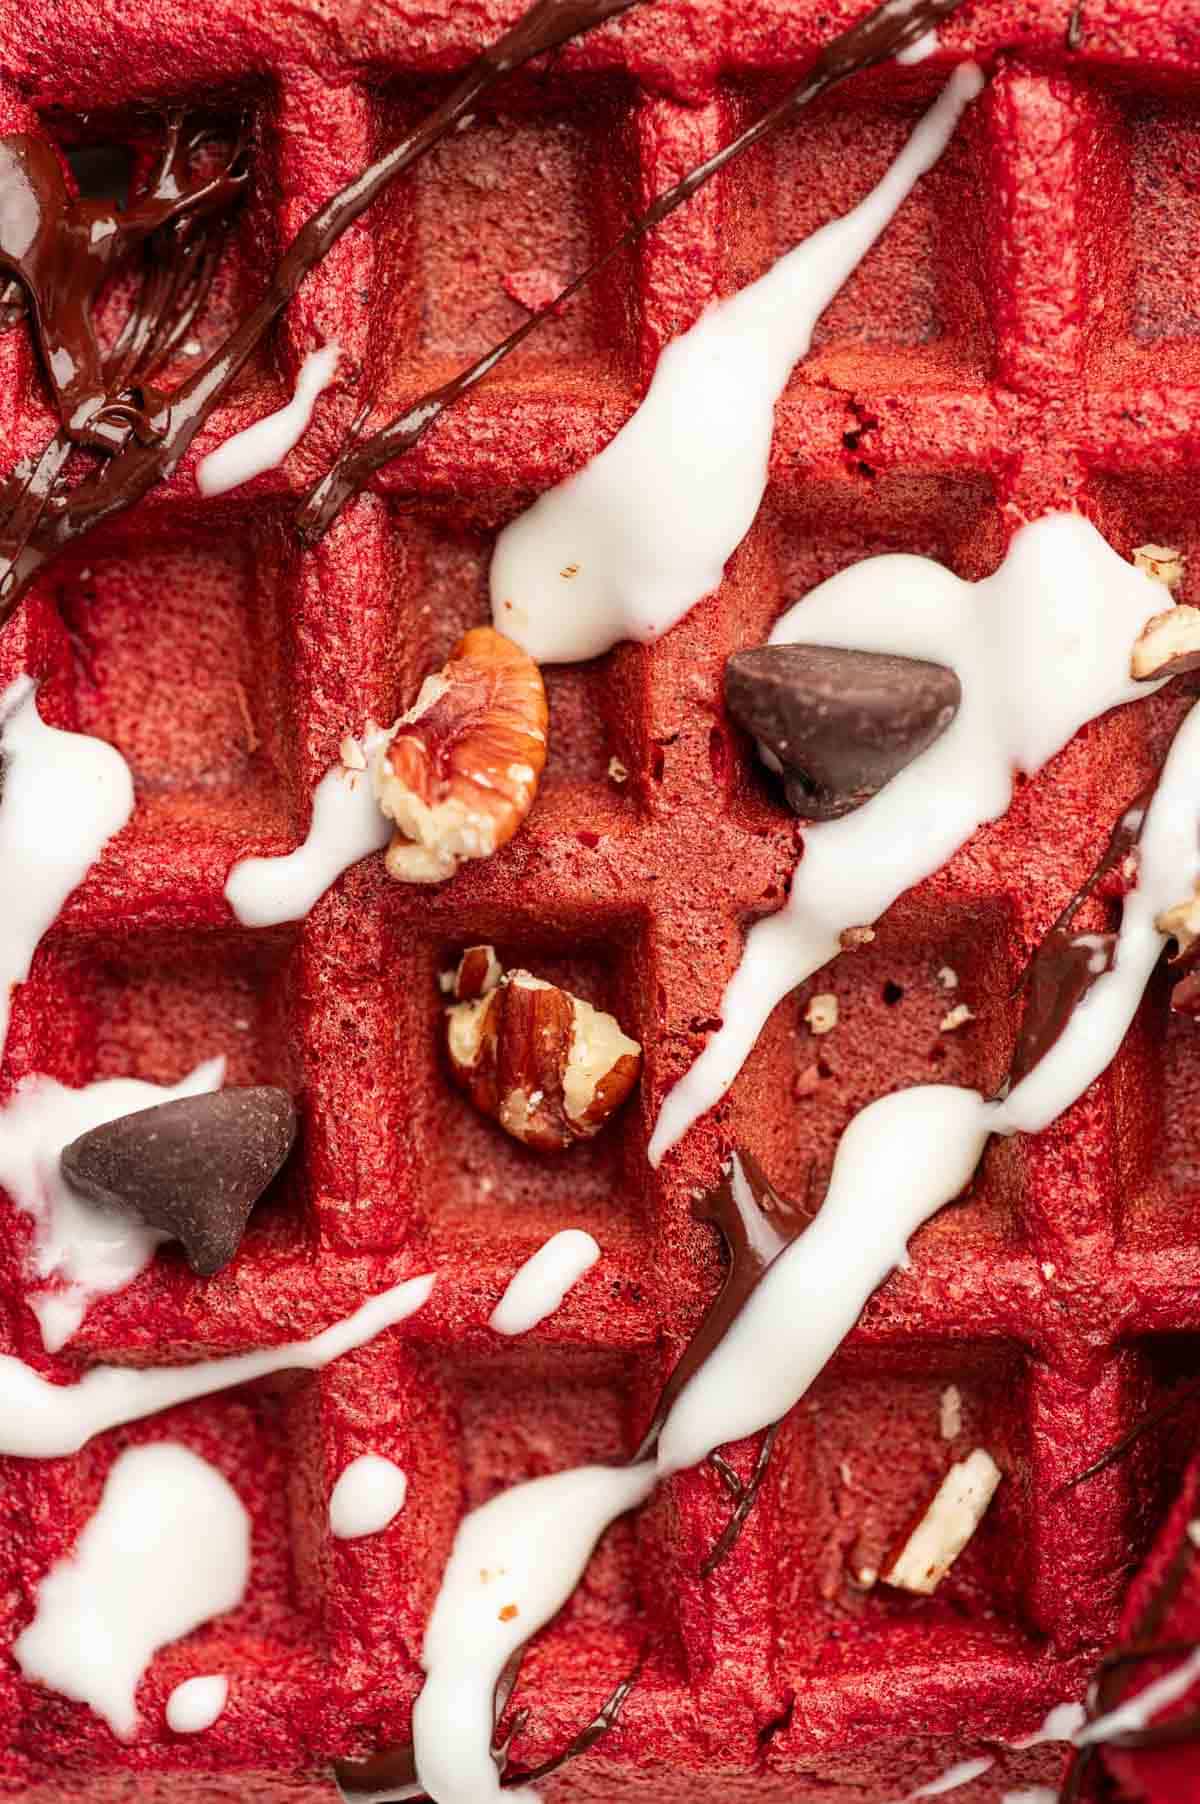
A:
x,y
931,1547
617,771
477,972
461,769
546,1065
1168,645
822,1013
853,937
1181,922
1161,562
958,1016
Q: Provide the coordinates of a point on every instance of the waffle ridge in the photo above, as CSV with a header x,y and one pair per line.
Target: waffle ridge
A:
x,y
1020,340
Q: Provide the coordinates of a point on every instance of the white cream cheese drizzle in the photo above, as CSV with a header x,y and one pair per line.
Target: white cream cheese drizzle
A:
x,y
62,798
264,445
167,1550
40,1420
196,1704
347,825
80,1251
514,1563
626,547
1040,648
539,1286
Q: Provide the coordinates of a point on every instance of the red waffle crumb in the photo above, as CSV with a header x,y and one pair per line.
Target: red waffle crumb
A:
x,y
1025,336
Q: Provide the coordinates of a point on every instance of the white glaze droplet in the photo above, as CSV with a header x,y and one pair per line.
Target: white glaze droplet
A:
x,y
347,825
264,445
368,1495
40,1420
62,797
1040,648
537,1289
960,1774
167,1550
196,1704
645,529
1031,1794
1062,1723
514,1563
85,1251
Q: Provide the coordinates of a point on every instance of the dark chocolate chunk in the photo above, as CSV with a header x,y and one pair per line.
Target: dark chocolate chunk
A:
x,y
841,723
193,1168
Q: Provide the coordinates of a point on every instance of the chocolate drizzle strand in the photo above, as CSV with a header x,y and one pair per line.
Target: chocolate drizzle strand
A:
x,y
756,1223
1067,964
148,441
891,27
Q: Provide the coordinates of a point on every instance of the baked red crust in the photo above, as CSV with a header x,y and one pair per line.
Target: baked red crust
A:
x,y
1025,337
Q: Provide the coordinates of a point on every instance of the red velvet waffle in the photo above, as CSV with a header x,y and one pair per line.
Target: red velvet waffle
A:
x,y
1027,335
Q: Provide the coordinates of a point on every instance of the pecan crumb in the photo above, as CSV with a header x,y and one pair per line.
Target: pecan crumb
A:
x,y
822,1013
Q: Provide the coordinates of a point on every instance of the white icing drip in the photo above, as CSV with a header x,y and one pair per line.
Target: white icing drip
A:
x,y
40,1420
62,797
197,1703
265,444
537,1289
368,1495
901,1159
347,825
1031,1794
167,1550
1137,1712
86,1251
1040,648
642,533
514,1563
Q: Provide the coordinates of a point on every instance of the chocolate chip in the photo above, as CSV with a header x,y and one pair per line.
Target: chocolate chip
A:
x,y
841,723
193,1168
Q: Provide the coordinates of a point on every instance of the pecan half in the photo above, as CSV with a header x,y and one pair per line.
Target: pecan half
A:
x,y
461,769
546,1065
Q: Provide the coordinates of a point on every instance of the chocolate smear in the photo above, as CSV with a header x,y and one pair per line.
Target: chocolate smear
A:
x,y
193,1168
889,28
63,249
1066,964
840,723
